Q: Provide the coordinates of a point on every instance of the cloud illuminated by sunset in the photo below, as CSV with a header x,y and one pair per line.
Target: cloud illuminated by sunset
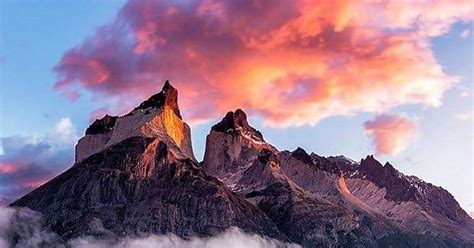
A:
x,y
291,62
7,168
390,134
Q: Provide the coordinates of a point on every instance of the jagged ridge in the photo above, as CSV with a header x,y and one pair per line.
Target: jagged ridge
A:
x,y
299,182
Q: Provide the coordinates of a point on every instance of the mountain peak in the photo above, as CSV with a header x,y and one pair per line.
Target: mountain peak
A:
x,y
389,167
236,121
168,96
232,120
156,117
300,154
371,166
167,85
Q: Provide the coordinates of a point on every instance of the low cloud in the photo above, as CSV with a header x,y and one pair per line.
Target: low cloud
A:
x,y
29,161
232,238
390,134
291,62
22,227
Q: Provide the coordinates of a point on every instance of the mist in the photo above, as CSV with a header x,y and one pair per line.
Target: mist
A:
x,y
22,227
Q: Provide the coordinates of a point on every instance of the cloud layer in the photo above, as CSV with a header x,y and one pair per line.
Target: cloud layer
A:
x,y
28,162
22,227
293,62
390,134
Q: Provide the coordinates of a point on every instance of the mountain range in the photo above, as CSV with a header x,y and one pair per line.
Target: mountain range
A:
x,y
137,174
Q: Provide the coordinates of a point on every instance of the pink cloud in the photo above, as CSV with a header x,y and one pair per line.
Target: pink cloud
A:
x,y
98,113
391,134
7,168
292,62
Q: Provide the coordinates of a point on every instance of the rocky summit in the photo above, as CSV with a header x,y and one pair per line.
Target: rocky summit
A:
x,y
137,174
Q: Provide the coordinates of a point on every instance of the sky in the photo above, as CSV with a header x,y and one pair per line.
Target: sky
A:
x,y
396,82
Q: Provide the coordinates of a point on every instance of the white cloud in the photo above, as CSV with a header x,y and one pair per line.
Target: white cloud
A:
x,y
232,238
63,133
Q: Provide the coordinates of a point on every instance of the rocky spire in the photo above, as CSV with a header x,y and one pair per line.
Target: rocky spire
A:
x,y
371,166
167,97
232,145
234,121
156,117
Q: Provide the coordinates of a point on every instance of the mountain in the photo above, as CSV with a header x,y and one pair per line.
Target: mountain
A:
x,y
310,199
137,174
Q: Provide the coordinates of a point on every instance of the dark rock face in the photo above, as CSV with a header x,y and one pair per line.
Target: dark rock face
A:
x,y
302,156
326,165
317,161
346,165
389,178
137,174
102,125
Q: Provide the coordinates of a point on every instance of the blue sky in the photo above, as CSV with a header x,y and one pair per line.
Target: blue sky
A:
x,y
35,35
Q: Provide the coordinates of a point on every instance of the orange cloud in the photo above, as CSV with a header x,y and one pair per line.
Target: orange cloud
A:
x,y
391,134
292,62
